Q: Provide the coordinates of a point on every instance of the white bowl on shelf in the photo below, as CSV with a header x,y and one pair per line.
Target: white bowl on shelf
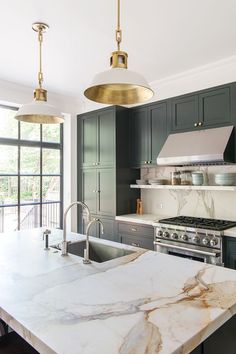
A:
x,y
141,182
225,179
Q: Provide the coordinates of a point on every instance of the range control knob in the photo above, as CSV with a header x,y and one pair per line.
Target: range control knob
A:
x,y
205,241
159,233
174,236
213,241
166,234
196,239
184,237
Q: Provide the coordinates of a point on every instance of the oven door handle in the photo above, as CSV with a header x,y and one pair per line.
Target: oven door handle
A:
x,y
214,254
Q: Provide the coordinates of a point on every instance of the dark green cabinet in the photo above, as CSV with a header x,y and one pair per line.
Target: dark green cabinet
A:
x,y
140,128
184,112
109,229
229,252
149,128
206,109
137,235
89,189
104,173
98,190
98,139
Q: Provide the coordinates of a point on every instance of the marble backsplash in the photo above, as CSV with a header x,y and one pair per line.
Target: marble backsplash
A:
x,y
211,204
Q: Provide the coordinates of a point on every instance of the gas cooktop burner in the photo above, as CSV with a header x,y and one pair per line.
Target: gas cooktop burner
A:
x,y
199,223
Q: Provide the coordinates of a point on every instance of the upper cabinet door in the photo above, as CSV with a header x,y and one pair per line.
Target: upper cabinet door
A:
x,y
158,124
214,107
106,138
89,141
140,137
184,113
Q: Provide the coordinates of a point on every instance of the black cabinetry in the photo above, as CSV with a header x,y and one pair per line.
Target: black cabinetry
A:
x,y
104,175
149,129
229,252
135,234
204,109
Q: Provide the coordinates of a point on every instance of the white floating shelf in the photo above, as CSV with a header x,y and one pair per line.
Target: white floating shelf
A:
x,y
187,187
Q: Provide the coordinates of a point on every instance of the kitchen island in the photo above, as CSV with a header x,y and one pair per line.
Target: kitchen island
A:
x,y
145,302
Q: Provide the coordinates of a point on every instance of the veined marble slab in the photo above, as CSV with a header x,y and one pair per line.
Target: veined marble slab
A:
x,y
146,219
145,302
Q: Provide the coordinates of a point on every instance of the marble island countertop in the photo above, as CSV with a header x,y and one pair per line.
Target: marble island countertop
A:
x,y
145,302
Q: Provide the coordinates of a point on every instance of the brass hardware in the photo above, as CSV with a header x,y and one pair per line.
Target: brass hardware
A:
x,y
200,124
145,162
94,163
149,162
135,244
40,94
195,124
119,59
133,229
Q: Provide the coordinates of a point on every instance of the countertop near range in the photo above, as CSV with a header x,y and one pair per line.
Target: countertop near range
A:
x,y
147,219
146,302
151,219
230,232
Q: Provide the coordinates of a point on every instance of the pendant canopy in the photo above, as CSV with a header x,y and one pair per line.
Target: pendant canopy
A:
x,y
39,111
118,85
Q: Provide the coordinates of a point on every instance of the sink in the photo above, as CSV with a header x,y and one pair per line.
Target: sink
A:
x,y
98,252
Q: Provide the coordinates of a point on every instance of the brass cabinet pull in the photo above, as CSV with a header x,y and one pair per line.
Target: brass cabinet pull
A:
x,y
135,244
195,124
149,161
133,229
145,162
200,124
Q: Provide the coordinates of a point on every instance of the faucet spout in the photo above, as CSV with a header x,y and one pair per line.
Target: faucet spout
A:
x,y
64,242
86,259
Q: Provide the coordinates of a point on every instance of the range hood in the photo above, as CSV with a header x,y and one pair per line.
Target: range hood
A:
x,y
206,146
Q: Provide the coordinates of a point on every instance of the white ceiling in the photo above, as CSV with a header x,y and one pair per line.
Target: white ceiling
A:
x,y
162,38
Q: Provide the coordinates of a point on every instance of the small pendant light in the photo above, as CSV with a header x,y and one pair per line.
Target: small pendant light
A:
x,y
119,85
39,111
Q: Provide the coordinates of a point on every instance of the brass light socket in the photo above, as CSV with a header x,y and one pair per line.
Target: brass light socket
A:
x,y
40,95
119,59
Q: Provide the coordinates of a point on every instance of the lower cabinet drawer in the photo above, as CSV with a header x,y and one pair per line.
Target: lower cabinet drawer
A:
x,y
143,242
135,229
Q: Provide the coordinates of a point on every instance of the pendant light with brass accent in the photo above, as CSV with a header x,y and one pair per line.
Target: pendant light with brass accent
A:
x,y
118,85
39,111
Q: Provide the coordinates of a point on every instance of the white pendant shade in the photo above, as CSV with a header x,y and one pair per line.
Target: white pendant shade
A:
x,y
119,86
39,112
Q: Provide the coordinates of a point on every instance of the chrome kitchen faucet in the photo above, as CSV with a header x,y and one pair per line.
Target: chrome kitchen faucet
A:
x,y
64,243
86,259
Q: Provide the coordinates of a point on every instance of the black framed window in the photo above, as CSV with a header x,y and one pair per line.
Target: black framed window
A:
x,y
31,177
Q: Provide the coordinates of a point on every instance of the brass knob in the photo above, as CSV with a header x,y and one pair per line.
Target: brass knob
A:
x,y
200,124
195,124
145,162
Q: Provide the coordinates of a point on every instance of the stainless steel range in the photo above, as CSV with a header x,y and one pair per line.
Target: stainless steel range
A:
x,y
194,238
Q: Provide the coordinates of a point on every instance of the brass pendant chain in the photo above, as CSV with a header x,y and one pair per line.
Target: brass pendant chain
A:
x,y
40,73
118,31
